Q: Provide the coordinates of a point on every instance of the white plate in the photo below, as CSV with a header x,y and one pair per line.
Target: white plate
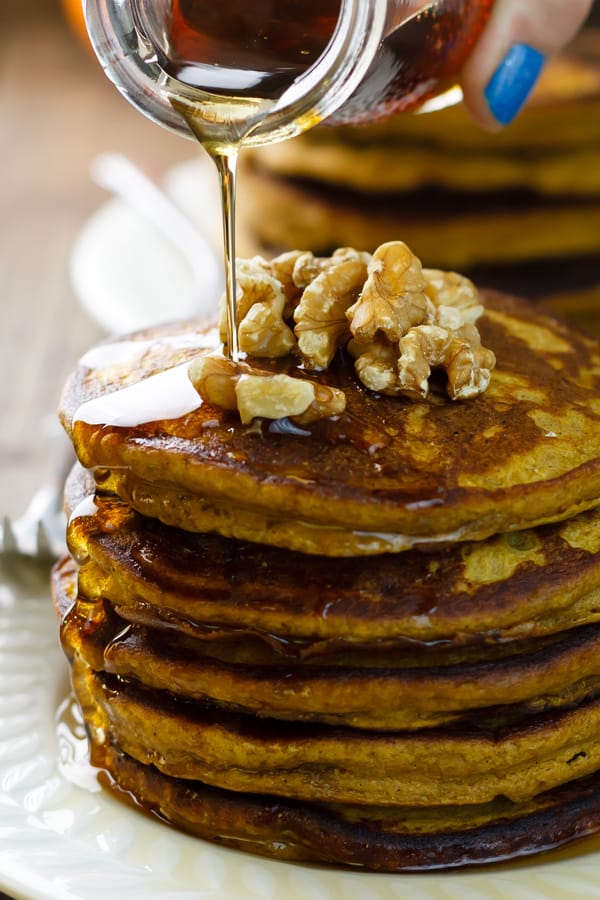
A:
x,y
127,275
62,837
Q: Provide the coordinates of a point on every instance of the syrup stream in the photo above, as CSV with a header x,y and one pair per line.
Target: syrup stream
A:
x,y
226,164
240,63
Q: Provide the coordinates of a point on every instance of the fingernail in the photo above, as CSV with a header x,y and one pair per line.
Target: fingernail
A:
x,y
513,81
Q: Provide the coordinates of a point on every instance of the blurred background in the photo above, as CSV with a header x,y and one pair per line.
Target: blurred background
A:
x,y
59,240
58,111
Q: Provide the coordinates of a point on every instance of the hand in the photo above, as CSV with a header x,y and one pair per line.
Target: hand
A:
x,y
511,53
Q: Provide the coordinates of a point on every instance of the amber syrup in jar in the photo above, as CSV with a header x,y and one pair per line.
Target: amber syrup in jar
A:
x,y
259,48
242,59
253,49
420,58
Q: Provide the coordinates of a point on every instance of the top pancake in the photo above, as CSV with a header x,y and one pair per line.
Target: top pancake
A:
x,y
386,475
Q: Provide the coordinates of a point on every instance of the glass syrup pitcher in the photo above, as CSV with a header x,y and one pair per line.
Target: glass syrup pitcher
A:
x,y
258,71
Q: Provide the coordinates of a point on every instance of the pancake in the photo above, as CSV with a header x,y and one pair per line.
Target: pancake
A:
x,y
523,453
378,689
391,839
509,587
198,741
256,660
453,229
497,753
409,840
430,831
580,306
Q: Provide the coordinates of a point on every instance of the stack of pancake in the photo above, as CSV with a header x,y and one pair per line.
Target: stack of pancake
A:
x,y
519,211
372,641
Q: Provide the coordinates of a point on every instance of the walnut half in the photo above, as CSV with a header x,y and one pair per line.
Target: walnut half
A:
x,y
256,393
321,323
393,298
261,302
410,320
468,365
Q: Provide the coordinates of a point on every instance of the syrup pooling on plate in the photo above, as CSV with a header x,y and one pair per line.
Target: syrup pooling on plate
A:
x,y
73,759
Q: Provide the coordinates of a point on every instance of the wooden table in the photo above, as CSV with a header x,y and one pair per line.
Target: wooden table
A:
x,y
57,111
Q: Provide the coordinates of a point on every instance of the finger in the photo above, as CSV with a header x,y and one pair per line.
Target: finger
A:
x,y
511,53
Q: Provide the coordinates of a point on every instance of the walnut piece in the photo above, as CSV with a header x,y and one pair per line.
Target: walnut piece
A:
x,y
327,403
452,295
393,298
377,365
426,322
272,396
283,267
308,266
215,378
468,365
398,320
257,393
261,303
321,322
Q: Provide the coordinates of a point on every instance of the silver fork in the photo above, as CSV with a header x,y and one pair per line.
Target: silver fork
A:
x,y
40,531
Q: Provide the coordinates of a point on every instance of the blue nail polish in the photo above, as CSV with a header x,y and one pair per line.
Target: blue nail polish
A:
x,y
512,82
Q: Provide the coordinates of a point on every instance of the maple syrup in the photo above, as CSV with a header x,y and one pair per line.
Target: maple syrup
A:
x,y
256,49
259,49
418,59
241,63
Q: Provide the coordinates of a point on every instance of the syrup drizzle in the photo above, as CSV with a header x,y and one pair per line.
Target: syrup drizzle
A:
x,y
166,395
87,508
242,63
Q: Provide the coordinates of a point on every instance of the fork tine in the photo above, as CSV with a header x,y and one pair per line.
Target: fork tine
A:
x,y
9,540
43,543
